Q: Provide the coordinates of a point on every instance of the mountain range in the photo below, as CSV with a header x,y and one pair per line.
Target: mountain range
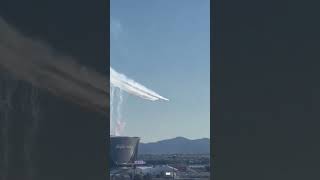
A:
x,y
178,145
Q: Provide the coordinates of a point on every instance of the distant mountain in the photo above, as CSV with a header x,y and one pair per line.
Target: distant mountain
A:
x,y
178,145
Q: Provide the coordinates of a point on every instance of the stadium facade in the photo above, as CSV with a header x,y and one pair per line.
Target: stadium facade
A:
x,y
123,150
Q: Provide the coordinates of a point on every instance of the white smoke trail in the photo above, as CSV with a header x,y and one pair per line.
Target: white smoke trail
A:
x,y
112,92
120,124
118,84
119,128
120,104
116,100
132,87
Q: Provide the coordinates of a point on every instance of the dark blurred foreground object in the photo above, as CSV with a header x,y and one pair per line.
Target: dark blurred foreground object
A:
x,y
36,63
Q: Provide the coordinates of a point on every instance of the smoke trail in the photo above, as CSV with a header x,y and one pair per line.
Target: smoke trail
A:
x,y
119,128
120,104
35,62
122,83
119,124
112,92
132,87
116,100
118,84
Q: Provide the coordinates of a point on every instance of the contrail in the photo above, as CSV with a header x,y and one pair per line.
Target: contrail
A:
x,y
119,124
116,101
132,87
120,83
112,94
35,62
123,83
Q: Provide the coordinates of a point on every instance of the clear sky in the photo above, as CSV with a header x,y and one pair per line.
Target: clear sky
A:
x,y
164,45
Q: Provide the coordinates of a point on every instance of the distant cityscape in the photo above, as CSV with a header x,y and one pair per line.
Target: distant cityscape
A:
x,y
157,165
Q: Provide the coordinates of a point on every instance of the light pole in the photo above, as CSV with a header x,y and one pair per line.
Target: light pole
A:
x,y
133,171
172,173
173,157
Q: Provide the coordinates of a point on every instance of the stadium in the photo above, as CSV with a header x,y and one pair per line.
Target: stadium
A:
x,y
123,150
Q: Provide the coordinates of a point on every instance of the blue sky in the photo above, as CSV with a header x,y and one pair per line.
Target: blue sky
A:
x,y
164,45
